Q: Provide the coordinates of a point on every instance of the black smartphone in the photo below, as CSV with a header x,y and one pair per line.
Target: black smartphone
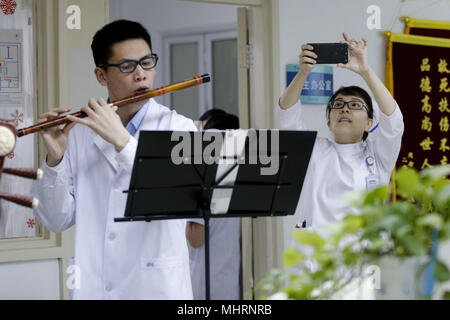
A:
x,y
330,53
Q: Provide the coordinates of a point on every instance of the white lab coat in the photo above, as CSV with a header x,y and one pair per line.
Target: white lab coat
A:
x,y
336,168
126,260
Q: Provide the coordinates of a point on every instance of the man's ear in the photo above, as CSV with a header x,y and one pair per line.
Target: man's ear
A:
x,y
328,123
100,74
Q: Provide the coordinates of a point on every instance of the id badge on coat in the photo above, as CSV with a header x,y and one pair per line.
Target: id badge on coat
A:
x,y
372,181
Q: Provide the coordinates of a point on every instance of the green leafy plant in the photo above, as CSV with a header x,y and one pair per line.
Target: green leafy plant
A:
x,y
322,265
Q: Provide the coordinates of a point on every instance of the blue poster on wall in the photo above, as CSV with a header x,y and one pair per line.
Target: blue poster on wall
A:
x,y
318,87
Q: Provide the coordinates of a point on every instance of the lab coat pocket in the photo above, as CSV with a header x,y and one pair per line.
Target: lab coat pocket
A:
x,y
167,276
161,263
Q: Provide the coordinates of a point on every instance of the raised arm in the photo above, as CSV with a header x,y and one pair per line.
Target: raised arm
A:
x,y
292,93
358,63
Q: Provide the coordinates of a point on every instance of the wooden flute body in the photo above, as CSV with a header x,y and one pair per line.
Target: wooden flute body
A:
x,y
139,97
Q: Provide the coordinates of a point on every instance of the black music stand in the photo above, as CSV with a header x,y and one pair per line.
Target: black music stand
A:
x,y
160,189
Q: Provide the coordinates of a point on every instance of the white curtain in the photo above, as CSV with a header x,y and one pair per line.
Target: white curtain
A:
x,y
17,221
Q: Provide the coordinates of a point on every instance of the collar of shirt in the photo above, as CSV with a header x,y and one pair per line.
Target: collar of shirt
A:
x,y
348,148
135,122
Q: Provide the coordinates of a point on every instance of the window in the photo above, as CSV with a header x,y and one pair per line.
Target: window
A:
x,y
17,101
212,52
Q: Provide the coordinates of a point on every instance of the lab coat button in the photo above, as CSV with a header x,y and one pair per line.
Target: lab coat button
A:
x,y
112,236
108,287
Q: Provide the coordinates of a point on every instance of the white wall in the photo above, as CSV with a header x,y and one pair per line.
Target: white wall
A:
x,y
304,21
33,280
171,16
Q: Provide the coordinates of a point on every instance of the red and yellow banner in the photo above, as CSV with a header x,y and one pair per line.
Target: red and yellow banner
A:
x,y
428,28
418,76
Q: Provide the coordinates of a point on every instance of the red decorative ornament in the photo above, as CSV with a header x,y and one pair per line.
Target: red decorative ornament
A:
x,y
31,223
8,7
17,117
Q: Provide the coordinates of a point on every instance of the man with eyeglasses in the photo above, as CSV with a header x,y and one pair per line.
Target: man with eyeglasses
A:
x,y
350,161
88,165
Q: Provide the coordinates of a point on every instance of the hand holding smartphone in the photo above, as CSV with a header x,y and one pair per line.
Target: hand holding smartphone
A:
x,y
330,53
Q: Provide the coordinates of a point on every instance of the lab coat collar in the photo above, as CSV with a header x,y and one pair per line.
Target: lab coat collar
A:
x,y
109,150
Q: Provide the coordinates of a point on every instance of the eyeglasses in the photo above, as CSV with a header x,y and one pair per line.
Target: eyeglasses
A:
x,y
128,66
352,105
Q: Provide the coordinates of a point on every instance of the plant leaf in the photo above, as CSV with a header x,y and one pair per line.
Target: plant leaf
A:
x,y
442,198
433,220
407,181
354,198
441,272
308,238
379,194
291,257
352,223
436,172
403,230
441,183
446,295
413,245
324,258
389,222
445,232
377,244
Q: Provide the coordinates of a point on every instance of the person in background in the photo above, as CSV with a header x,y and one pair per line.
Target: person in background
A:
x,y
222,122
208,114
224,235
350,161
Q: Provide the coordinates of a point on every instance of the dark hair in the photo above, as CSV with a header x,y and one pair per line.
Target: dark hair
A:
x,y
211,113
222,122
117,31
353,91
